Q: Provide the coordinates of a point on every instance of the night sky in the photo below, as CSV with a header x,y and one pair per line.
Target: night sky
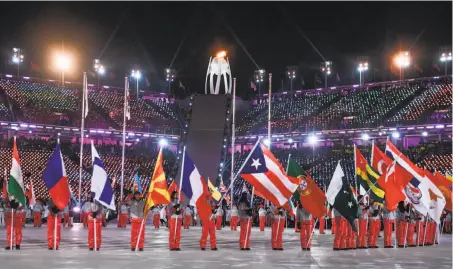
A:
x,y
147,35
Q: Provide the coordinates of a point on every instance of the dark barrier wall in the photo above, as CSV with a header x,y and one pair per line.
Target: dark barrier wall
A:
x,y
206,133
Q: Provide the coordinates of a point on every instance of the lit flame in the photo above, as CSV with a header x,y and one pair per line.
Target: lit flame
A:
x,y
221,54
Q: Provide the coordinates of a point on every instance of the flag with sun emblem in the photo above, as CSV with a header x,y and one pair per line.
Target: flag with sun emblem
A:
x,y
308,192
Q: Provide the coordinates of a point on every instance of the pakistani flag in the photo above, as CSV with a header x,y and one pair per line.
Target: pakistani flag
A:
x,y
340,196
15,182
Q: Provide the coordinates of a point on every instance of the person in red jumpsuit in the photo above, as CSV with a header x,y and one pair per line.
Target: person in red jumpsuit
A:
x,y
174,222
37,212
187,217
375,225
363,224
403,222
339,241
245,218
13,219
54,217
262,217
209,228
137,206
94,222
234,218
278,225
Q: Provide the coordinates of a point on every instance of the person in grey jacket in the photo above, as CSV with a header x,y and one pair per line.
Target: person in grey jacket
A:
x,y
137,206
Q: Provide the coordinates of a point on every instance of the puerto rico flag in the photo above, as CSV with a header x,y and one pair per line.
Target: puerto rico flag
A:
x,y
265,173
56,180
195,188
100,183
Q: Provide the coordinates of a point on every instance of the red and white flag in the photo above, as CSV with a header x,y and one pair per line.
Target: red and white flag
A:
x,y
253,86
379,160
265,173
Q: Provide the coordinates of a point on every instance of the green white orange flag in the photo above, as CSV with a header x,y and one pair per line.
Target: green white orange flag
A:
x,y
15,181
157,192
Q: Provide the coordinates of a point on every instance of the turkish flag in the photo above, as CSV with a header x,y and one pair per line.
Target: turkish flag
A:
x,y
393,181
379,160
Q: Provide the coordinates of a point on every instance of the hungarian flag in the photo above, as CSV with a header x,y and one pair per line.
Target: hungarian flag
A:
x,y
367,178
56,180
444,186
157,192
265,173
308,193
16,182
174,188
340,196
393,181
379,160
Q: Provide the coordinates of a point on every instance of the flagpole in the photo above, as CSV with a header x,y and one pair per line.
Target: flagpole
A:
x,y
12,225
355,169
55,233
140,233
180,184
233,137
126,86
269,115
426,225
82,127
95,237
286,220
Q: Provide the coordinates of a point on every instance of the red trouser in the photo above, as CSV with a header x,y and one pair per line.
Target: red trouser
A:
x,y
91,227
322,224
351,236
174,238
51,230
234,223
344,234
362,233
218,222
136,224
262,220
208,228
402,230
104,220
334,226
420,226
37,218
187,221
17,228
430,233
278,226
388,227
296,229
375,227
410,234
246,229
66,220
338,232
85,219
305,233
122,220
156,221
448,226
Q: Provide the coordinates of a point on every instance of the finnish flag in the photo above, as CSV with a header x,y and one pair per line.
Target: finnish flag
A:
x,y
101,185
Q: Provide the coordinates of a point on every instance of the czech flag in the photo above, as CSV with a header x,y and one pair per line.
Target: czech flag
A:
x,y
195,188
56,180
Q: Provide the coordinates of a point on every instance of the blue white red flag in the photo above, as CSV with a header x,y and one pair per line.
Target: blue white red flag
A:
x,y
100,183
195,188
56,180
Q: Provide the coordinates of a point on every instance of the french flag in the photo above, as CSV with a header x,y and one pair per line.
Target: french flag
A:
x,y
56,180
101,185
195,188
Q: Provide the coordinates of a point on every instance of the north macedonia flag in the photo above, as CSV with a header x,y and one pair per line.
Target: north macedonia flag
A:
x,y
157,192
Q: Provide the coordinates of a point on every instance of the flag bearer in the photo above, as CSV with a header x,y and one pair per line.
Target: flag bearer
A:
x,y
137,206
234,218
209,228
219,218
174,222
262,216
305,223
245,217
54,222
13,237
375,225
122,219
363,224
389,220
402,223
187,217
94,224
278,225
38,208
156,216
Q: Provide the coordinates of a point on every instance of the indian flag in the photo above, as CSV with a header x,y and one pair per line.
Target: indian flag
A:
x,y
15,182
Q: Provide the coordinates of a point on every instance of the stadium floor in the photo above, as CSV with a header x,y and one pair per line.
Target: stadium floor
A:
x,y
115,252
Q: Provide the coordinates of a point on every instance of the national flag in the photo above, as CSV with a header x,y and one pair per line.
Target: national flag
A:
x,y
393,181
353,191
16,182
181,85
367,177
417,67
56,180
157,192
253,86
195,188
340,196
379,160
35,67
308,193
214,192
425,197
444,186
100,183
265,173
338,77
137,186
436,67
174,188
32,199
